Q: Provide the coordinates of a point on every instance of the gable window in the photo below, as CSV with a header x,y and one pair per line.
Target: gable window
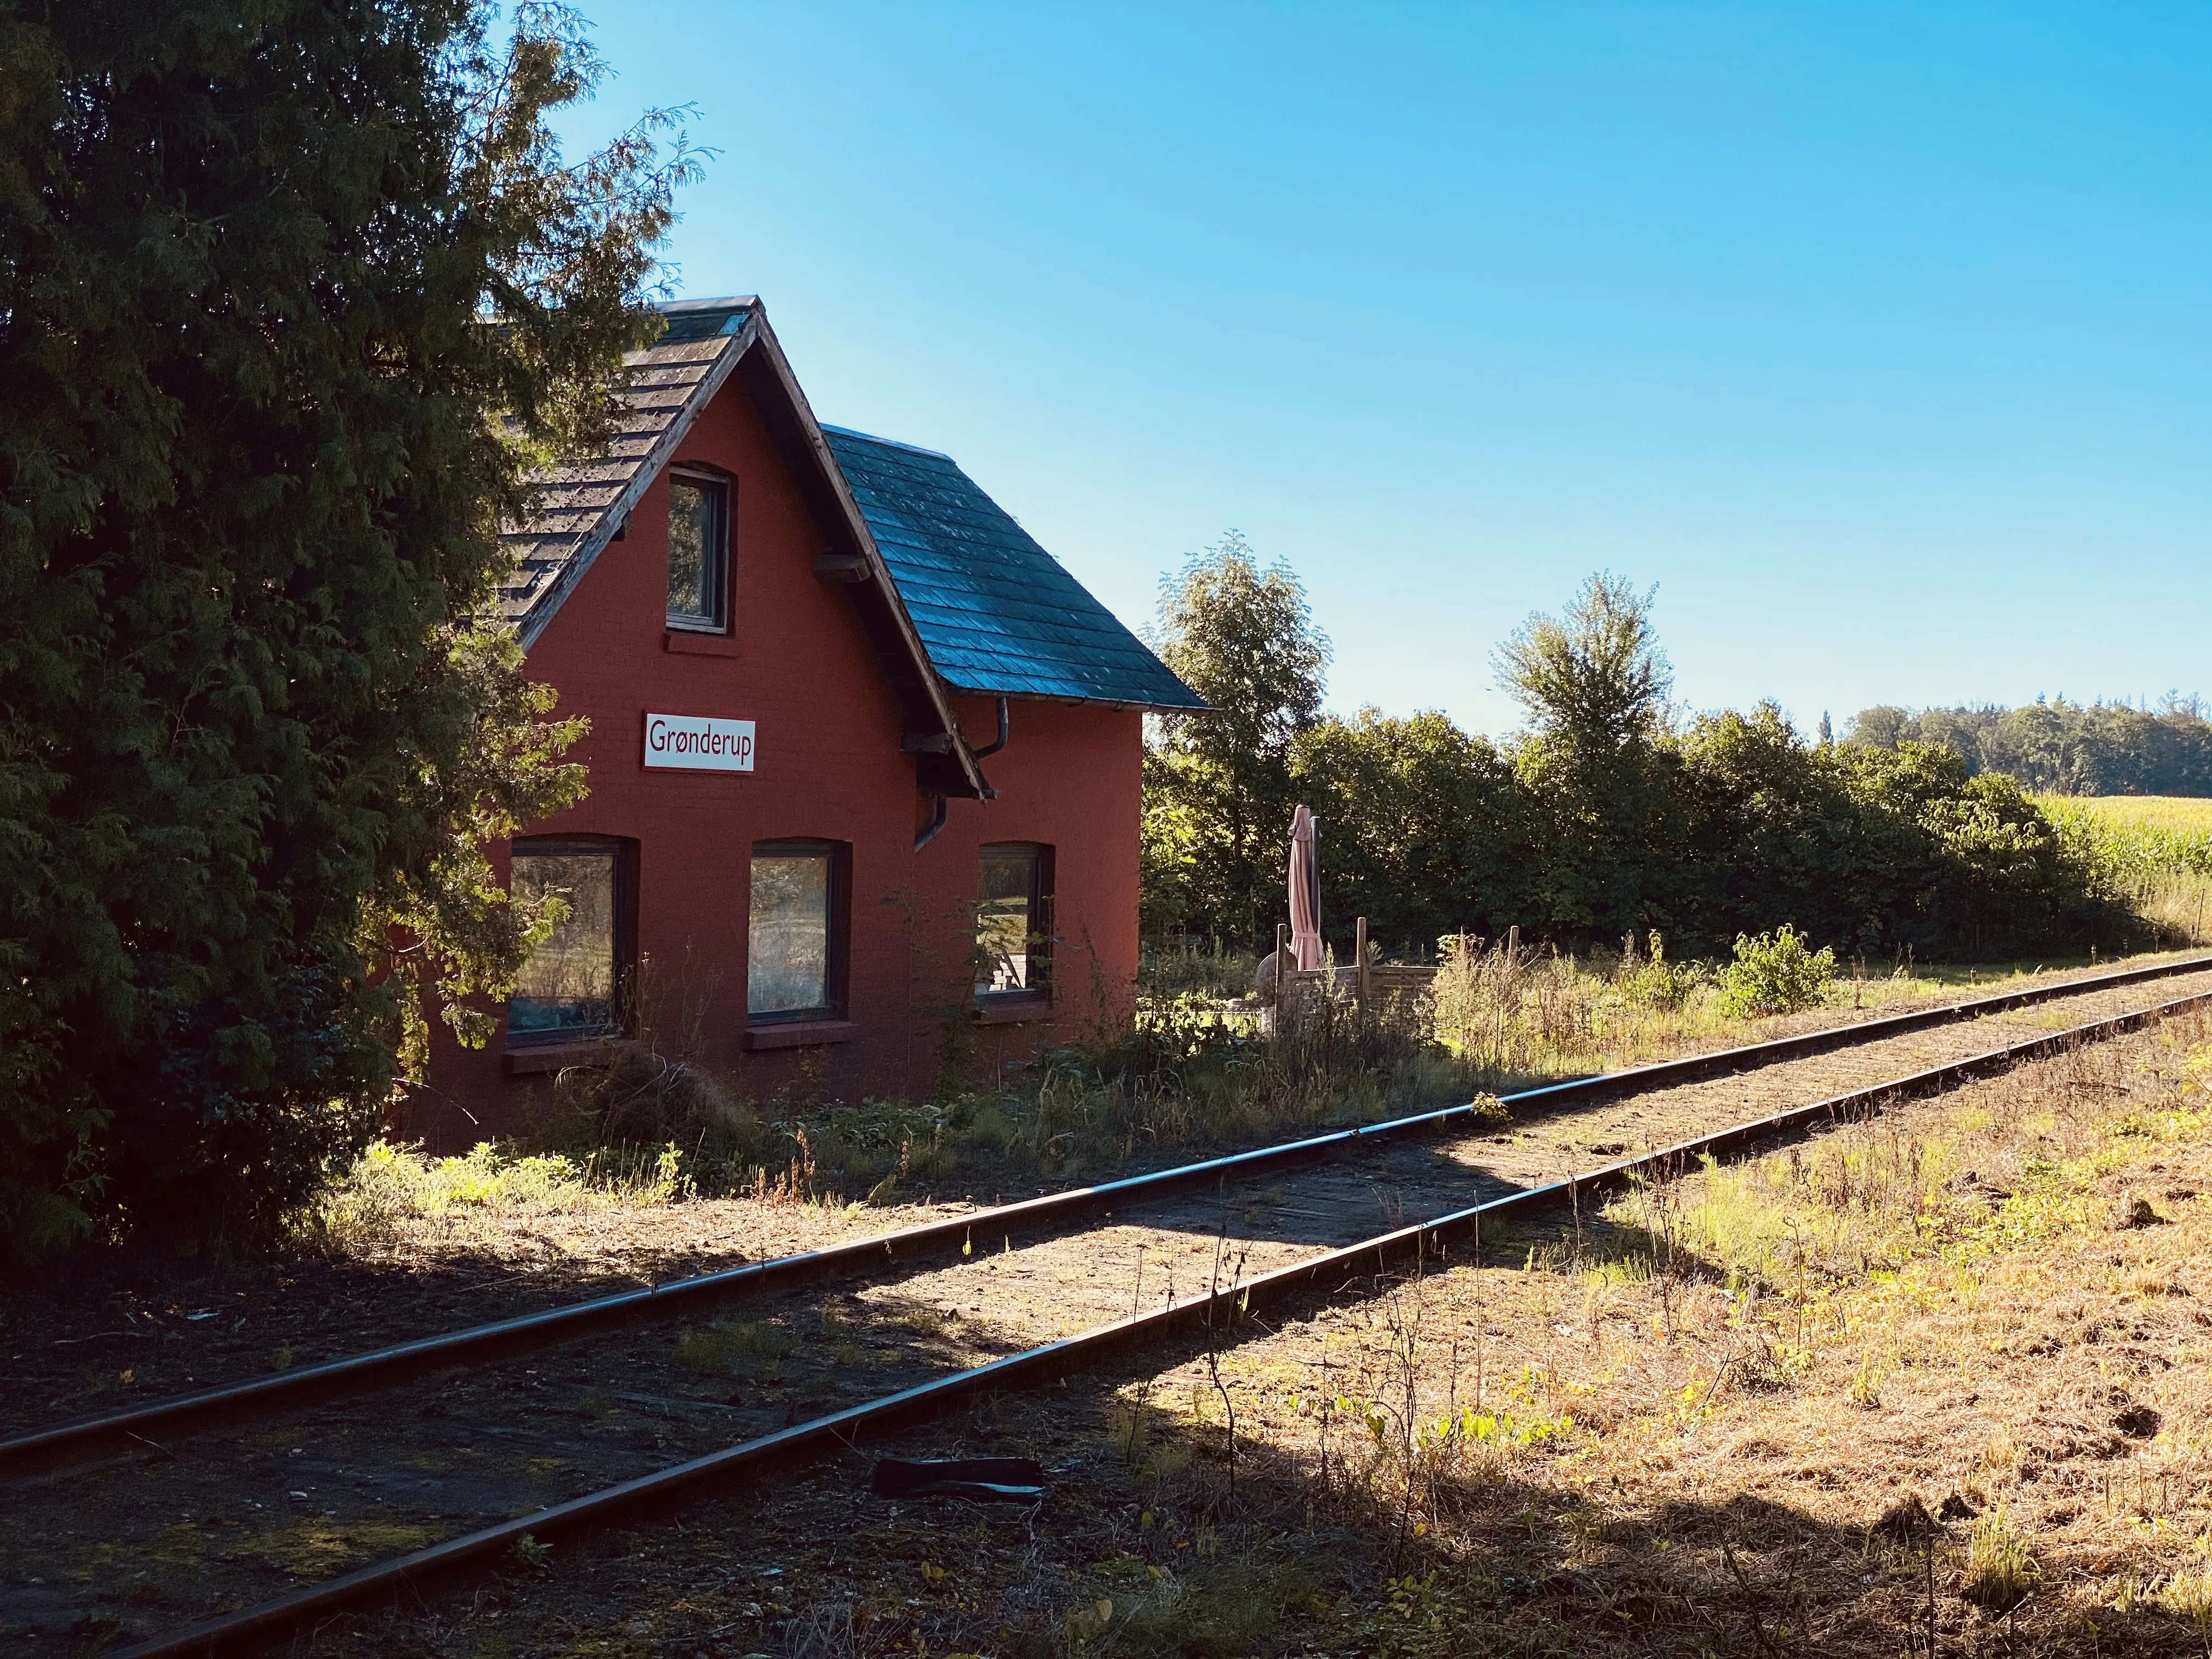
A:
x,y
698,552
796,939
572,987
1013,921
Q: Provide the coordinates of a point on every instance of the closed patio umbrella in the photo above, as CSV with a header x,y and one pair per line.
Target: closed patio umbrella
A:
x,y
1305,892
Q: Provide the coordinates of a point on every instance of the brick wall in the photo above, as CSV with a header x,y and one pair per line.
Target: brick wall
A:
x,y
828,765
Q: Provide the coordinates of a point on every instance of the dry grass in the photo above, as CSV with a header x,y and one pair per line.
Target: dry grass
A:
x,y
1942,1371
726,1184
1194,1076
1927,1381
1530,1015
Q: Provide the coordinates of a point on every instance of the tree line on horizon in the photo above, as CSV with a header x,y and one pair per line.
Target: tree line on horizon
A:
x,y
1605,816
2062,747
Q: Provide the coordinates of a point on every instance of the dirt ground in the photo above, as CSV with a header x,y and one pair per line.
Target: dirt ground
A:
x,y
1668,1455
1631,1381
97,1331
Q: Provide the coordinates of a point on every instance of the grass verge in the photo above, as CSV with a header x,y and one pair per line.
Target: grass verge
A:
x,y
1932,1381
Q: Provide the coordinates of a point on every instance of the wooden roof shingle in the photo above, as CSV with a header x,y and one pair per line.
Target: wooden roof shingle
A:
x,y
576,510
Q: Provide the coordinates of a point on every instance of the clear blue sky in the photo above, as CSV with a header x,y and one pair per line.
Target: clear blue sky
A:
x,y
1878,336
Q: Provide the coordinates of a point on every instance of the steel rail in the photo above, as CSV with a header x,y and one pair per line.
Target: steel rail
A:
x,y
1329,1273
43,1449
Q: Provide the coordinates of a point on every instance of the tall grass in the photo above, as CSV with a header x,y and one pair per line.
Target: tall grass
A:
x,y
1191,1074
2152,853
1197,1071
1181,966
1531,1014
396,1197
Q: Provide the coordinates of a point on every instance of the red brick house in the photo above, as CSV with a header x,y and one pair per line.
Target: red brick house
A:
x,y
864,759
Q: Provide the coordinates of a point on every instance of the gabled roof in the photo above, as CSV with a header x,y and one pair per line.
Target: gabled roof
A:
x,y
577,509
996,612
1002,617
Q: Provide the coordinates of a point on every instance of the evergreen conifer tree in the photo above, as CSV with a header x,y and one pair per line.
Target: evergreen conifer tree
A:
x,y
258,429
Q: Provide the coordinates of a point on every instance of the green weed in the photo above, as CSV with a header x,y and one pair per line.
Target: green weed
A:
x,y
734,1346
2188,1594
1654,983
1429,1615
319,1548
1777,973
397,1194
2001,1569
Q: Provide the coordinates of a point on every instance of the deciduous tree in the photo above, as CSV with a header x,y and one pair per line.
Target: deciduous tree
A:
x,y
1218,791
1595,683
2069,748
1426,830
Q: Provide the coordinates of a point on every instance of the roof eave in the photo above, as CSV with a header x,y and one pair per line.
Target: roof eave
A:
x,y
1142,704
879,572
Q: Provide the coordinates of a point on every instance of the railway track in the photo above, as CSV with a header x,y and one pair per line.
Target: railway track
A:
x,y
585,1415
1519,1158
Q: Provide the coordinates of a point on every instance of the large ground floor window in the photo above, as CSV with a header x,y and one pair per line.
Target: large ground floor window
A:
x,y
796,939
573,986
1013,920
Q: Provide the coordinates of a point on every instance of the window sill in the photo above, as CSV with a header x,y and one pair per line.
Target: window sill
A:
x,y
800,1034
532,1061
683,643
1019,1009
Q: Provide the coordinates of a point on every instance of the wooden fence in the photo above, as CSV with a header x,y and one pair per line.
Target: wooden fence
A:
x,y
1359,980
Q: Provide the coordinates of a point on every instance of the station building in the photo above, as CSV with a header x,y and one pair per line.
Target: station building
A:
x,y
864,759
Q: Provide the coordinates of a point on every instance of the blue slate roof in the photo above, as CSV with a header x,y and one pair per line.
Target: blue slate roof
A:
x,y
995,611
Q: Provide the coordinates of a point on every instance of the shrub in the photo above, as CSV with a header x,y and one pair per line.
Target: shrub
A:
x,y
1777,974
252,491
1655,983
642,1096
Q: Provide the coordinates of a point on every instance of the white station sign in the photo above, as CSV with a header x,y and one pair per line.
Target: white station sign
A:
x,y
698,743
